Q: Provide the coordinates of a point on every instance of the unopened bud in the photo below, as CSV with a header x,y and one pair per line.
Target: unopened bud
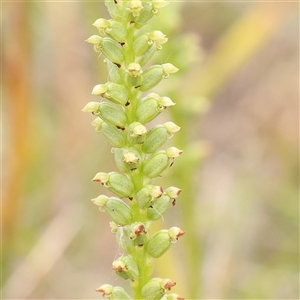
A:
x,y
137,132
114,92
155,138
116,182
146,195
115,9
156,288
155,164
147,111
126,267
173,192
158,208
153,289
119,211
112,115
151,77
145,14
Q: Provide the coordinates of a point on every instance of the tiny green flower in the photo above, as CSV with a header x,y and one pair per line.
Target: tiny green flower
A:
x,y
92,107
156,288
116,182
126,267
112,115
135,6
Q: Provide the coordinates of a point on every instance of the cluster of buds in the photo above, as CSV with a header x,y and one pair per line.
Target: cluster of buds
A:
x,y
122,116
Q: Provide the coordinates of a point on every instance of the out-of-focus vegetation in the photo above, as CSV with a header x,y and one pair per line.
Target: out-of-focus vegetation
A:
x,y
237,100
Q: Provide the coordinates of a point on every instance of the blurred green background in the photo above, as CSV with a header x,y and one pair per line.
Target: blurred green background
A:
x,y
237,103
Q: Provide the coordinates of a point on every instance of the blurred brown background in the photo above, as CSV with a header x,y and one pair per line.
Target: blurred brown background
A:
x,y
237,103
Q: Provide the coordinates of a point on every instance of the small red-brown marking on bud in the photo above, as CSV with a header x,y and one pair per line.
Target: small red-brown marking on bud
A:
x,y
169,284
100,291
174,202
180,233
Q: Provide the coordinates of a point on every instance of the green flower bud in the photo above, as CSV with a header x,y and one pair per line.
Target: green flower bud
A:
x,y
94,39
159,243
112,91
173,192
106,289
114,72
101,202
158,38
155,138
147,111
126,268
145,15
115,9
173,152
92,107
116,182
156,164
127,159
113,135
137,132
154,74
168,69
151,77
112,115
165,102
112,28
135,6
119,211
158,208
155,288
134,70
119,293
108,47
101,25
146,195
171,128
113,293
98,124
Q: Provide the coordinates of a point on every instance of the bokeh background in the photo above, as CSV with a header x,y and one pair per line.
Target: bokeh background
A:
x,y
237,96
